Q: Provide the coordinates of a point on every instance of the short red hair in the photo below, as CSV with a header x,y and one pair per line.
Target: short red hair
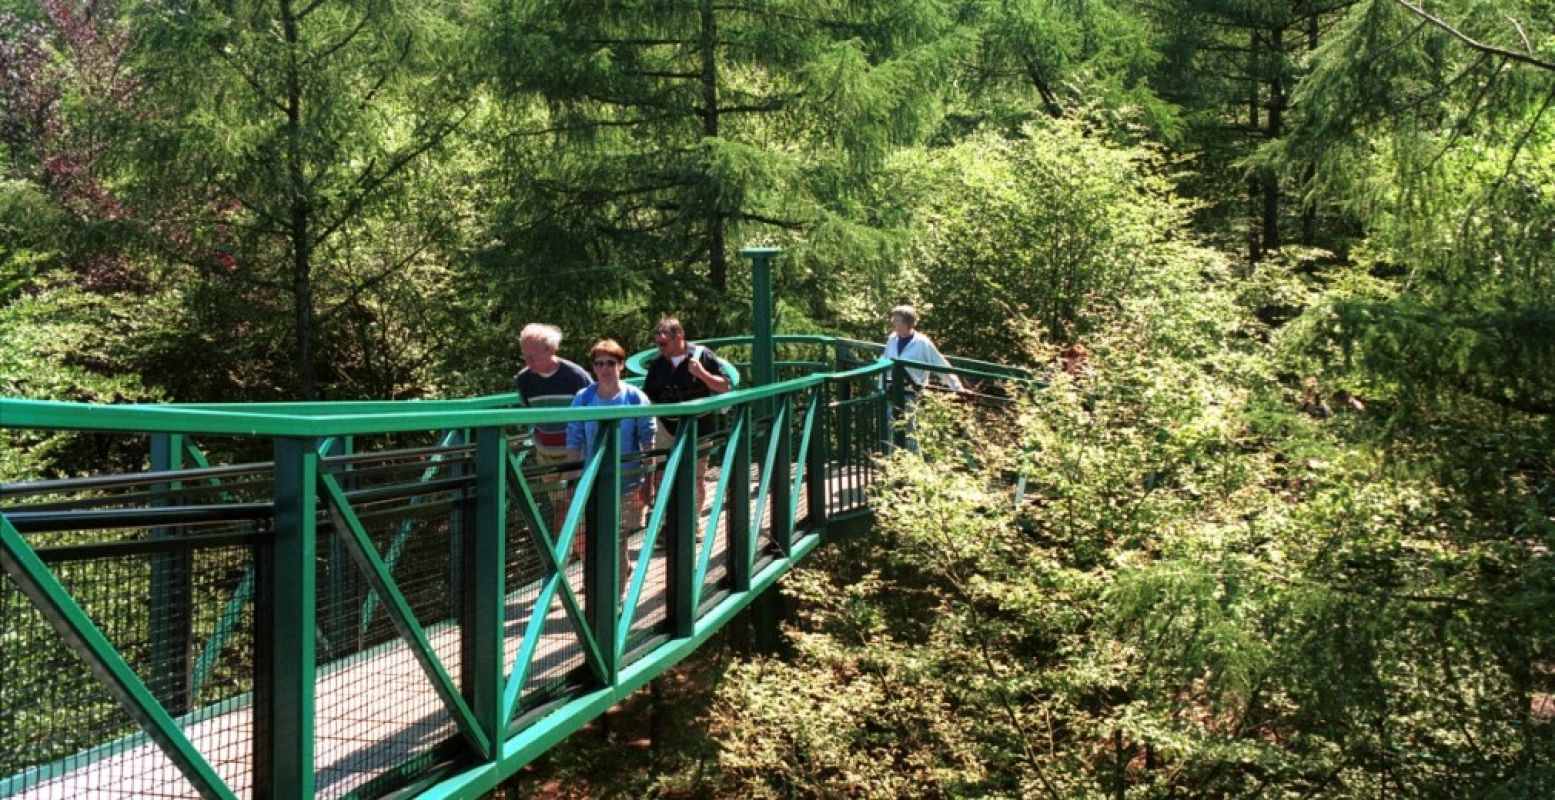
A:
x,y
608,347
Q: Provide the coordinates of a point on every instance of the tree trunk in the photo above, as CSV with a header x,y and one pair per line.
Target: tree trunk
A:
x,y
298,229
1271,179
1309,207
1254,251
717,258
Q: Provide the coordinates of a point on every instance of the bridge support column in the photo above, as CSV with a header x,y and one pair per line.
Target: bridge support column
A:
x,y
286,615
682,549
818,461
602,551
171,631
762,372
484,586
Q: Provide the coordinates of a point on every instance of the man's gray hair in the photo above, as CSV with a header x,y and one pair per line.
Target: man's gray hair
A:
x,y
908,314
541,332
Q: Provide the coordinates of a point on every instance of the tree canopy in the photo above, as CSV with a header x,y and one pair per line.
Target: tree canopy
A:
x,y
1287,533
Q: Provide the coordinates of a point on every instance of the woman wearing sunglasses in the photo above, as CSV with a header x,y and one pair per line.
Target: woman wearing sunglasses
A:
x,y
609,360
635,434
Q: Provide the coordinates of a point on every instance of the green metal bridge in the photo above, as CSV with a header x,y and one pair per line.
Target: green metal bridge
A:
x,y
366,599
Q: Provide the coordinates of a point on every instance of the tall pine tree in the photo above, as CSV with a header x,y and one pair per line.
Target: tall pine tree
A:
x,y
649,139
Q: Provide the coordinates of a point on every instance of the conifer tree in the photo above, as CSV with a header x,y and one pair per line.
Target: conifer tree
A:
x,y
667,133
1232,65
288,127
1436,128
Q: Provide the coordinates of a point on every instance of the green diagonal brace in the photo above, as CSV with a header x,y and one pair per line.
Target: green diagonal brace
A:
x,y
349,528
644,557
78,631
555,563
232,613
553,554
802,459
704,558
397,544
779,421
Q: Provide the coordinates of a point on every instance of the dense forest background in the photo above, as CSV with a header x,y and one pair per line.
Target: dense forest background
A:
x,y
1286,534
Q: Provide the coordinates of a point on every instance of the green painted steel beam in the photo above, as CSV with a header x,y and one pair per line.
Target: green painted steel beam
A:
x,y
678,460
396,548
171,629
530,743
742,534
554,554
680,569
284,643
769,470
812,417
761,312
285,638
816,450
54,415
82,636
720,497
602,550
485,588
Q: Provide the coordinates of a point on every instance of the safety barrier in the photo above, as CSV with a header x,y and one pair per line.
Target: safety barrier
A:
x,y
357,599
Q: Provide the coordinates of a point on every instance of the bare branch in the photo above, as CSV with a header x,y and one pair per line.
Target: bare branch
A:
x,y
1523,58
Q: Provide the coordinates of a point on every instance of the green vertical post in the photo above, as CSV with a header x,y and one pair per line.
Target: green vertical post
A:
x,y
171,631
782,483
284,644
742,550
896,408
602,551
336,622
762,372
682,548
484,587
819,462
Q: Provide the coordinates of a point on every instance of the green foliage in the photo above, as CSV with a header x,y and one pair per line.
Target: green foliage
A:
x,y
29,228
61,343
1211,589
300,201
1063,59
1044,233
1446,150
647,141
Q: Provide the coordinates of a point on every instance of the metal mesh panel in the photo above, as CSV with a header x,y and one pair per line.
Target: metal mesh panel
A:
x,y
558,654
183,621
375,706
855,433
558,663
652,610
717,577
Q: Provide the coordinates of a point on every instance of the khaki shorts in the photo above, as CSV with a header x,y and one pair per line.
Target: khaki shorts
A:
x,y
662,438
548,458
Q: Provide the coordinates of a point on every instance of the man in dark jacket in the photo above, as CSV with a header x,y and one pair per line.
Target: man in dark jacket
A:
x,y
681,372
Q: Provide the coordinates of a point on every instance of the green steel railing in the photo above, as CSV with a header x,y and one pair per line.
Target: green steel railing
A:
x,y
358,599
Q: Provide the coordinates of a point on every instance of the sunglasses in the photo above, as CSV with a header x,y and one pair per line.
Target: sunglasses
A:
x,y
606,362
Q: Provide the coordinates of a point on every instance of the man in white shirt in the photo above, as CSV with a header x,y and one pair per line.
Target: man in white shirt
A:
x,y
907,344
